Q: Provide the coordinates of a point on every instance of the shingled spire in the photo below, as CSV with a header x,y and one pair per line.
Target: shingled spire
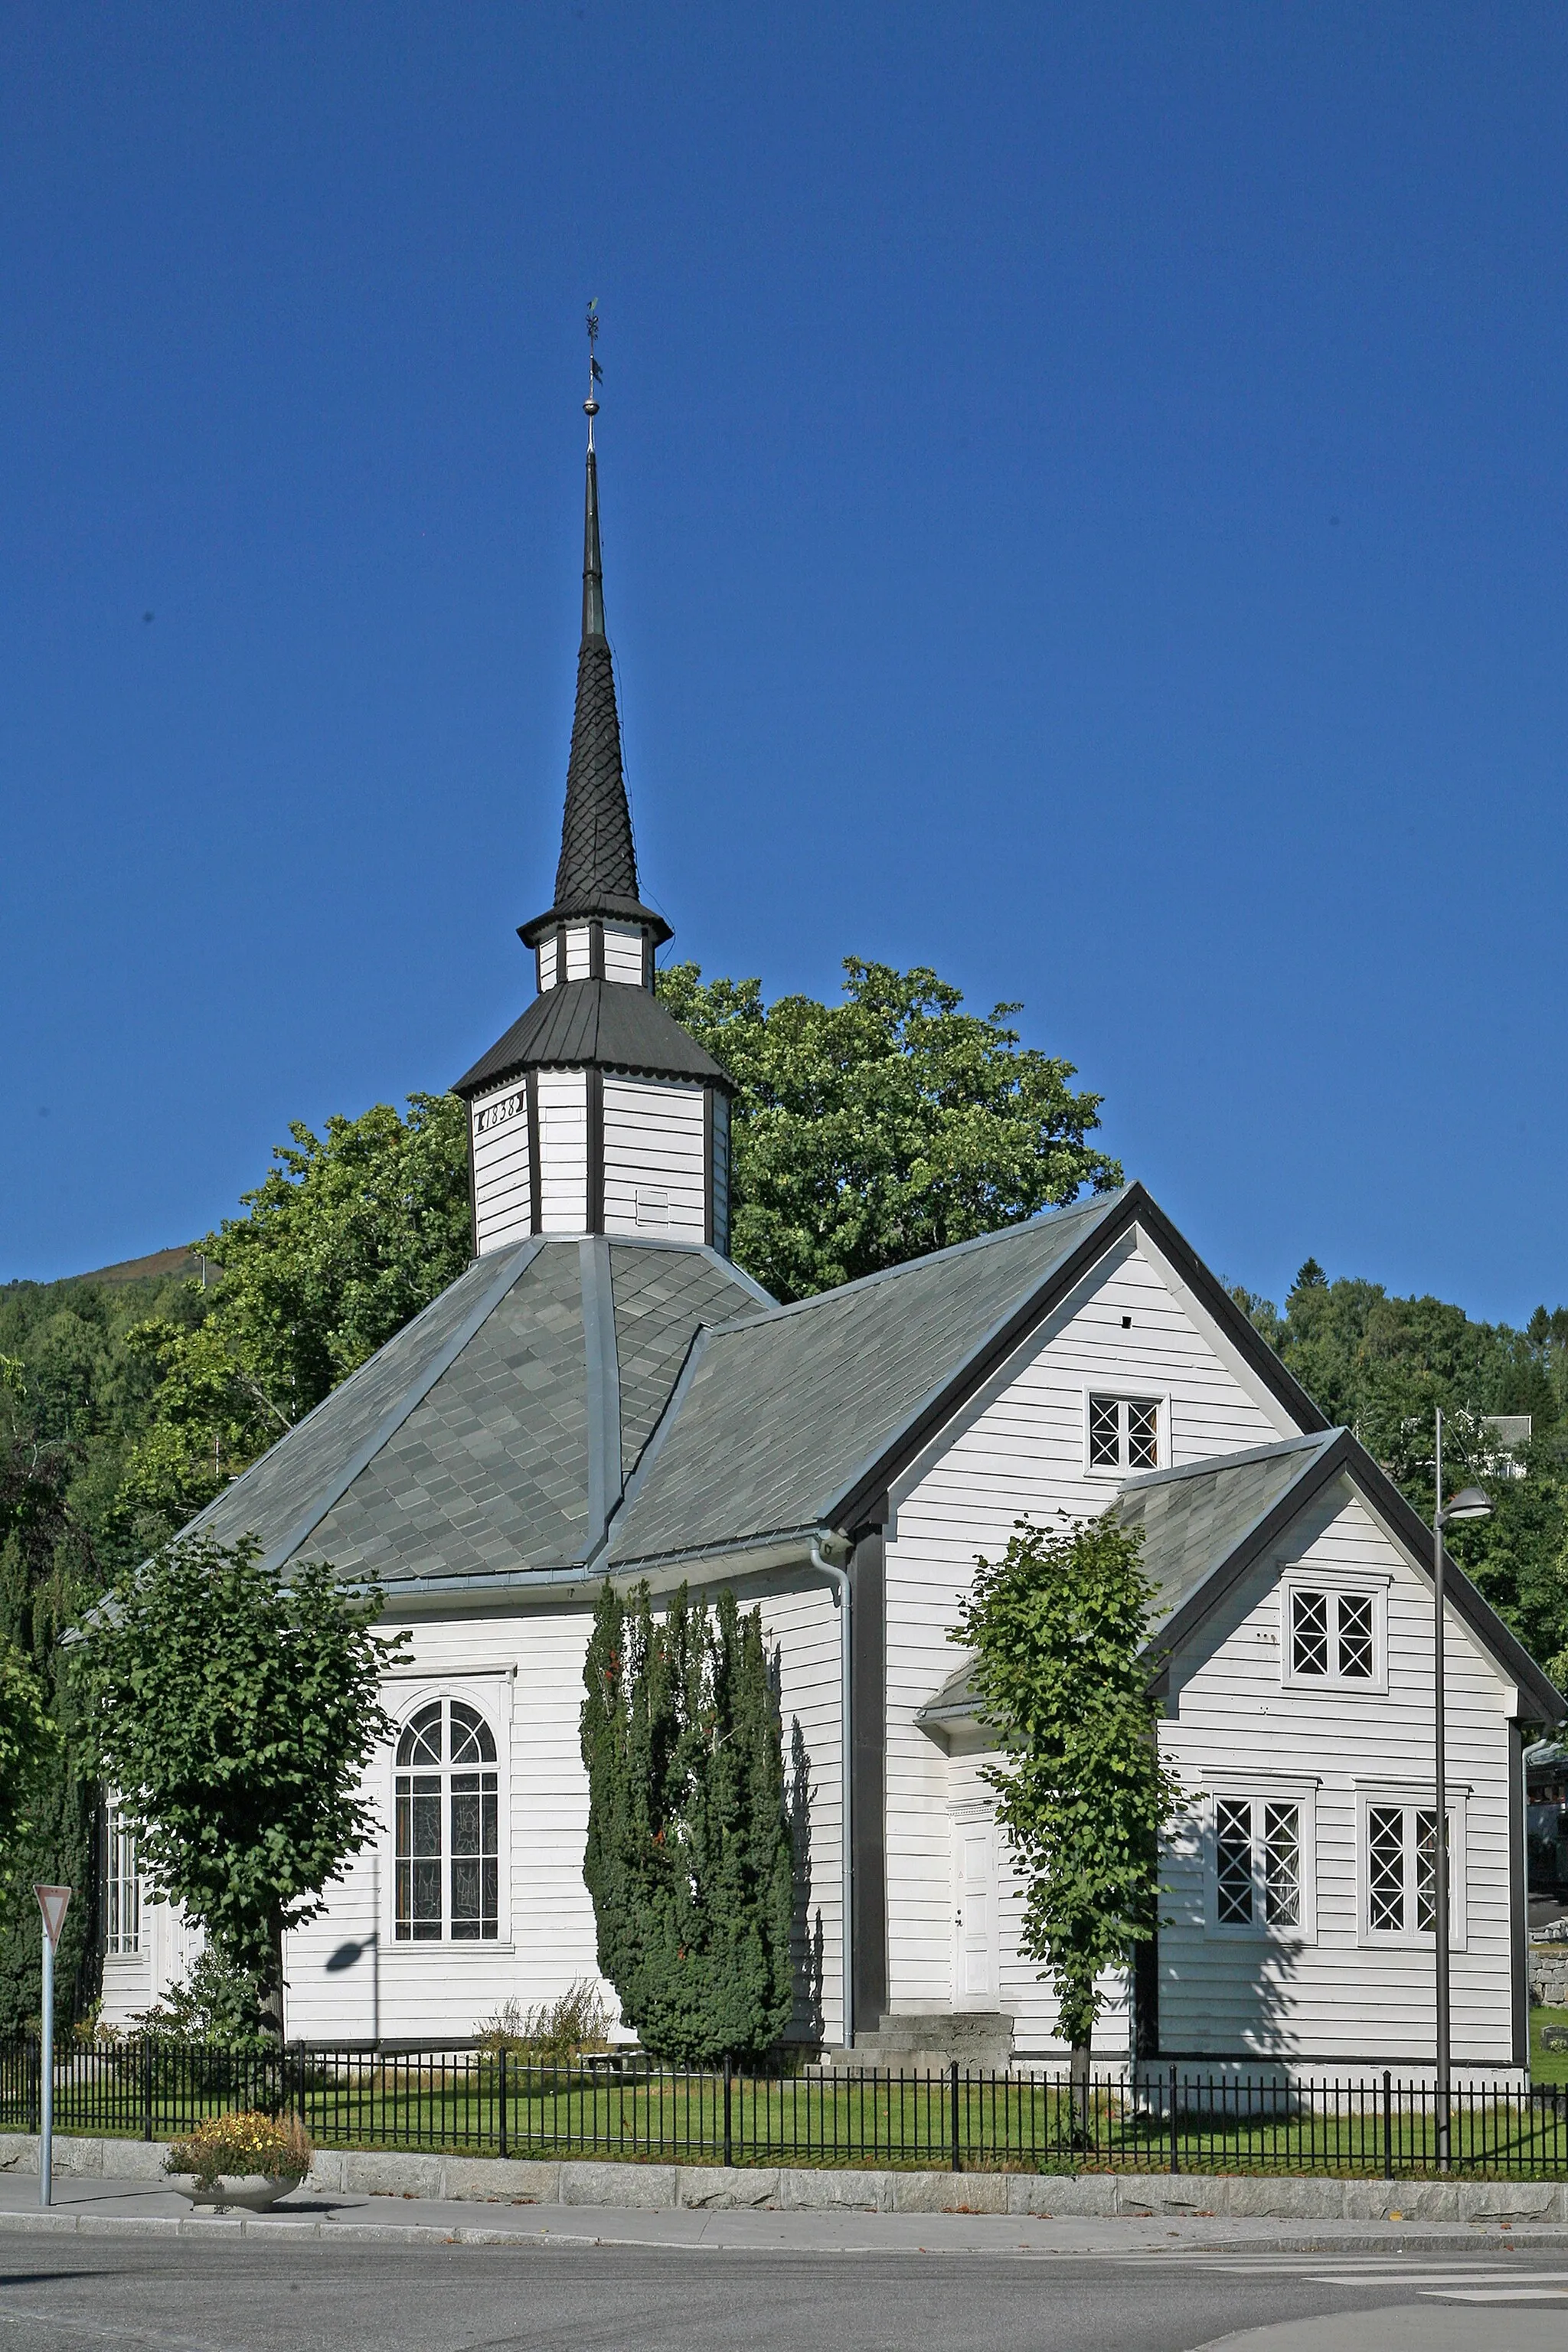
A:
x,y
598,856
597,873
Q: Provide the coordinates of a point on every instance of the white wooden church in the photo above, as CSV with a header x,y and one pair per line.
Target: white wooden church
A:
x,y
603,1392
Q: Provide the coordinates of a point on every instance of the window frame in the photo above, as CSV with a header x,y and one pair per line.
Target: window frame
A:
x,y
1125,1394
118,1842
1261,1790
1411,1797
409,1708
1338,1584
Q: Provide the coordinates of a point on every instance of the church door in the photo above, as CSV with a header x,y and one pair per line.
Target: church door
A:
x,y
974,1910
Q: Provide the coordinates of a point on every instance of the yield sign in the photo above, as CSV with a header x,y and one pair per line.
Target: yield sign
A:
x,y
53,1902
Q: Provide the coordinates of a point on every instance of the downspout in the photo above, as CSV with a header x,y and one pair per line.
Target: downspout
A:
x,y
837,1574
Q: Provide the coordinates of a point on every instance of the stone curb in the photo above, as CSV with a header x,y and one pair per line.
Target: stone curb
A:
x,y
1386,2241
714,2189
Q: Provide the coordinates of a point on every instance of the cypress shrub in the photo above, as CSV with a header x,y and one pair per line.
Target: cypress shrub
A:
x,y
689,1857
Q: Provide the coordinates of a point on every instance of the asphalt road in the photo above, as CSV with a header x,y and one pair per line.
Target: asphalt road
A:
x,y
76,2295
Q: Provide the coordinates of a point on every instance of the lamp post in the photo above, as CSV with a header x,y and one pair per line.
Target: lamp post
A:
x,y
1470,1503
53,1902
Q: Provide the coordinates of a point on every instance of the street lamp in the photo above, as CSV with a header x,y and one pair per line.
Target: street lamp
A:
x,y
1470,1502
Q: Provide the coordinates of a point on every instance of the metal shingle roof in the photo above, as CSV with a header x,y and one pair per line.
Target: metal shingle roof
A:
x,y
461,1450
603,1023
1194,1519
780,1414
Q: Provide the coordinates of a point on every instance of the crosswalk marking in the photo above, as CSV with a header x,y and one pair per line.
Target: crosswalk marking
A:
x,y
1499,2293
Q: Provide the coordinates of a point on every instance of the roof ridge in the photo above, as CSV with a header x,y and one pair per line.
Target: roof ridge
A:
x,y
1309,1442
1101,1202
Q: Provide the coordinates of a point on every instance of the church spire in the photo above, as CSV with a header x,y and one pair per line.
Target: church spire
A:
x,y
596,1113
597,873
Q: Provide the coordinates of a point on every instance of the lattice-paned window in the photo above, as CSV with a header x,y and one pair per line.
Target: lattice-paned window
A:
x,y
1257,1863
1333,1636
447,1828
122,1887
1402,1870
1123,1433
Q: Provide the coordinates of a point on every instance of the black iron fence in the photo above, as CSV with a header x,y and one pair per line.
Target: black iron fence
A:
x,y
515,2103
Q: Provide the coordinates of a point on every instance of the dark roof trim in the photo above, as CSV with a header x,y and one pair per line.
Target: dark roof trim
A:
x,y
1131,1206
582,906
515,1263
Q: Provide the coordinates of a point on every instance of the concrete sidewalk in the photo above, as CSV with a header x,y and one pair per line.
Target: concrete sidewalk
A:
x,y
103,2204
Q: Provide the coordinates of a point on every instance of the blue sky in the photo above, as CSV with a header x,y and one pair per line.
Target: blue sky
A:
x,y
1084,498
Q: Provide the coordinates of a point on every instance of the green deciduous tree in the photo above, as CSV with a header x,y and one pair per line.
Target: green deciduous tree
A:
x,y
871,1131
234,1714
1059,1627
689,1855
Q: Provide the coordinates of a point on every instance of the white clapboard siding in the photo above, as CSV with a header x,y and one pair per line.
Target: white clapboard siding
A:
x,y
804,1626
547,962
1018,1449
525,1675
499,1123
655,1177
1340,1997
563,1150
579,952
624,953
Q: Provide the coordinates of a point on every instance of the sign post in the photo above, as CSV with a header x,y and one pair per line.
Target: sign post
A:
x,y
53,1902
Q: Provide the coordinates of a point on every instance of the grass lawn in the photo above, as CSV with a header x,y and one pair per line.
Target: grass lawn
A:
x,y
1547,2065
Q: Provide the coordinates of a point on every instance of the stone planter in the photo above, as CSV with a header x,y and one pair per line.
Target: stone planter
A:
x,y
255,2191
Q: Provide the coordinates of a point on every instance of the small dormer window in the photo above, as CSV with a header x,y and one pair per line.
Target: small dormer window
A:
x,y
1123,1433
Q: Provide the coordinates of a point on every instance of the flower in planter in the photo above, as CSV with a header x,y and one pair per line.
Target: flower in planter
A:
x,y
229,2147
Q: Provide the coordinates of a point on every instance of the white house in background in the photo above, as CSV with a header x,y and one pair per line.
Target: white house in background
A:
x,y
603,1394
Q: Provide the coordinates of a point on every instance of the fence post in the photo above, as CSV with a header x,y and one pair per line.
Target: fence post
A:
x,y
1387,2125
1176,2165
35,2086
505,2145
729,2137
952,2085
145,2066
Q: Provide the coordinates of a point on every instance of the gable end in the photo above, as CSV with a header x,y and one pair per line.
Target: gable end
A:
x,y
857,1505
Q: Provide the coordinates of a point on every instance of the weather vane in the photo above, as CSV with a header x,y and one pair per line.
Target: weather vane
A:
x,y
595,373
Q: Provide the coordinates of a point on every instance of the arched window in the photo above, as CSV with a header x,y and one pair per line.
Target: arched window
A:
x,y
448,1842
